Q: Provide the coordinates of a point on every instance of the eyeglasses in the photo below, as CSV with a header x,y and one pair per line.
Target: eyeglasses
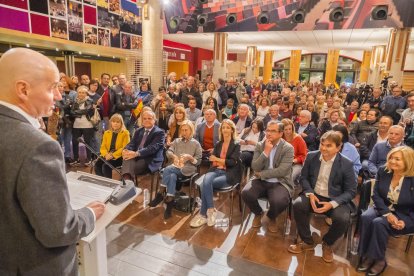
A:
x,y
272,131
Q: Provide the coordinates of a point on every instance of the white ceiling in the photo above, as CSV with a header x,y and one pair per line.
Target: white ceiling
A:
x,y
353,39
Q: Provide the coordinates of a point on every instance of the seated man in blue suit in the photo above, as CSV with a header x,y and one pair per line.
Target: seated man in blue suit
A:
x,y
145,151
329,184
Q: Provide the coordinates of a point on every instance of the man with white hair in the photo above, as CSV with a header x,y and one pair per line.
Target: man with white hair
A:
x,y
242,120
207,133
307,130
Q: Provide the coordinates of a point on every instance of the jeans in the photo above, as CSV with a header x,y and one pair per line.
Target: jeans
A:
x,y
212,180
169,179
67,139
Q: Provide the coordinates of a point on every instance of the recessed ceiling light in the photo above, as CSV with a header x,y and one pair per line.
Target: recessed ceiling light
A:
x,y
57,49
28,45
80,53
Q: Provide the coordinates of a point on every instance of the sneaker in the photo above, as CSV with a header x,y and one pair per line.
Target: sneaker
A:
x,y
75,163
157,200
198,221
89,163
211,217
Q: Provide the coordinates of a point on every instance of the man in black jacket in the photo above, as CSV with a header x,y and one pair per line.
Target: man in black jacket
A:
x,y
190,91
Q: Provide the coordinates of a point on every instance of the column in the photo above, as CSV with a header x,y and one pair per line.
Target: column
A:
x,y
69,58
377,65
295,58
257,69
396,53
365,66
331,66
267,66
220,56
251,63
152,47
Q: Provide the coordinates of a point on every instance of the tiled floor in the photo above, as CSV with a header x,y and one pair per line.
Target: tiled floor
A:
x,y
140,242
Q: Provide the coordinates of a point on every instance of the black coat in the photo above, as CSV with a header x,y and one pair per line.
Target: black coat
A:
x,y
234,167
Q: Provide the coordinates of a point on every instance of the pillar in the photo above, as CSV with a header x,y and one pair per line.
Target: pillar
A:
x,y
257,69
396,53
365,66
152,47
377,65
220,56
331,66
267,66
69,58
251,63
295,58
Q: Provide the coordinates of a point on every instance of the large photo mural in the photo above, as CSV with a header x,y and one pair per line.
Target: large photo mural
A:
x,y
110,23
190,16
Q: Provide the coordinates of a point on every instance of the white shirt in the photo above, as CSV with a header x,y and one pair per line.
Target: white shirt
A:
x,y
241,123
322,183
251,137
33,121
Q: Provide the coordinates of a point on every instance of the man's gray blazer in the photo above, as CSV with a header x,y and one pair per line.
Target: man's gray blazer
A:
x,y
38,228
282,164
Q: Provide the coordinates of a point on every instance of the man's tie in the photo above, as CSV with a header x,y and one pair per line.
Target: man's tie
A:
x,y
144,138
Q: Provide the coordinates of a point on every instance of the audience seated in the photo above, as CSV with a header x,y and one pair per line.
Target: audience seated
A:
x,y
184,155
190,90
273,115
207,133
329,184
299,147
307,130
249,138
193,113
392,213
211,92
113,143
348,150
145,151
272,165
145,93
226,170
379,153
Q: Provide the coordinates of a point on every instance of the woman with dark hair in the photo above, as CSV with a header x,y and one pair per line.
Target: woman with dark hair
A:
x,y
145,93
392,213
179,116
348,150
93,87
249,138
211,102
226,170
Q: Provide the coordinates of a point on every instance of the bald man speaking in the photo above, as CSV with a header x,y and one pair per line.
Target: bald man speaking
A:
x,y
38,228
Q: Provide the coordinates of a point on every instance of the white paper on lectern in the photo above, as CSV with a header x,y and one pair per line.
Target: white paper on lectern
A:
x,y
82,193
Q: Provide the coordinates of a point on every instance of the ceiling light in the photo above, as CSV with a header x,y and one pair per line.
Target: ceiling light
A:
x,y
202,20
298,16
80,53
231,19
113,57
99,55
174,23
28,45
166,2
337,15
263,18
380,12
57,49
202,1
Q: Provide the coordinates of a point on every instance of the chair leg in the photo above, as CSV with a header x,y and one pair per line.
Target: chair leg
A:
x,y
243,212
410,240
152,186
231,208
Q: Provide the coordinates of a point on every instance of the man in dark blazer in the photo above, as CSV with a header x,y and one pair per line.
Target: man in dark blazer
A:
x,y
207,133
307,130
272,163
39,229
190,91
145,151
329,184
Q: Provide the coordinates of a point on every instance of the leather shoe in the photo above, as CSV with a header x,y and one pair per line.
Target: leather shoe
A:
x,y
327,253
300,247
257,221
364,264
272,226
377,268
157,200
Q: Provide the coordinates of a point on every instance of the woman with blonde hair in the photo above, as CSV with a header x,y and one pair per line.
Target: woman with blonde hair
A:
x,y
226,170
300,150
184,155
210,92
393,210
179,116
113,142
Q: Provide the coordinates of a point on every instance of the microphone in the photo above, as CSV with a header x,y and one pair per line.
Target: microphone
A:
x,y
123,192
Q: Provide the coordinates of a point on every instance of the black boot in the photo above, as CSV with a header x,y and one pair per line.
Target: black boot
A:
x,y
157,200
168,210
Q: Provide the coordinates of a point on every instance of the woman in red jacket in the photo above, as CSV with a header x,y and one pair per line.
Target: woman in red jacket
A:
x,y
299,147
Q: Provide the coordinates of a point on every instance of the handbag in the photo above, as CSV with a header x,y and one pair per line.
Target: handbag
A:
x,y
96,118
